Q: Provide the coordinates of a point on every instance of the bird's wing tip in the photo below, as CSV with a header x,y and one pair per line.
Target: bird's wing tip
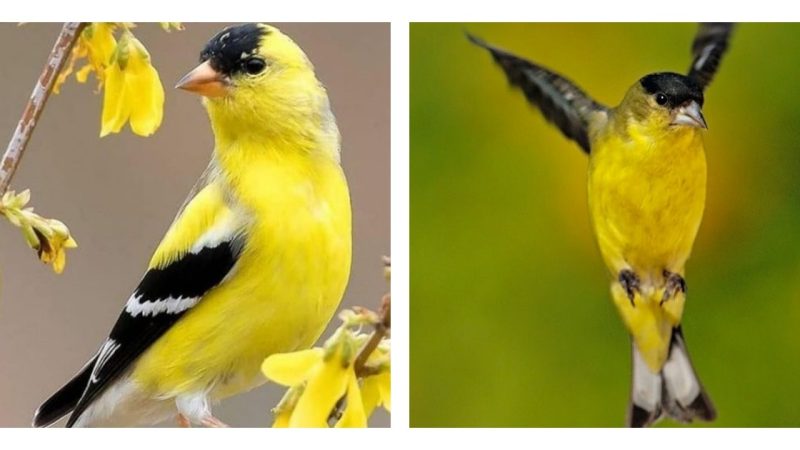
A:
x,y
39,422
475,39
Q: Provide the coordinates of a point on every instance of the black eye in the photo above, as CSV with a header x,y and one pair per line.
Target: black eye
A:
x,y
254,66
661,99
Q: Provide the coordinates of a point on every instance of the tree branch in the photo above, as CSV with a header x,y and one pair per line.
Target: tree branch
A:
x,y
382,328
41,92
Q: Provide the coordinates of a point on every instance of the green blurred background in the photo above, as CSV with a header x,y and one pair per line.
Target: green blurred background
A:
x,y
511,321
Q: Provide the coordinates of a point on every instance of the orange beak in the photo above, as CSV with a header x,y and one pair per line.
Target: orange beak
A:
x,y
204,80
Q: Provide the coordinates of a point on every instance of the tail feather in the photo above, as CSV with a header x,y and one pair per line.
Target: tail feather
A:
x,y
676,391
64,401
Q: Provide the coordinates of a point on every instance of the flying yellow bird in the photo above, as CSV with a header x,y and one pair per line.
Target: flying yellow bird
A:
x,y
647,190
255,263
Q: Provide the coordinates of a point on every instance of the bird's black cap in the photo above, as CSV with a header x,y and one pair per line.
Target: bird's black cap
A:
x,y
679,89
231,46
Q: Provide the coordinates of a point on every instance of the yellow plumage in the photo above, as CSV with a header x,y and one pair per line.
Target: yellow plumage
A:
x,y
291,198
646,189
647,185
291,277
268,227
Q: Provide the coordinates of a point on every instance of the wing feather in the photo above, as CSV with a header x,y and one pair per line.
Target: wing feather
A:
x,y
561,102
710,44
197,254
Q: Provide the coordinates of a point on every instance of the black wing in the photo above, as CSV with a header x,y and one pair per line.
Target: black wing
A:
x,y
63,402
163,296
561,101
708,48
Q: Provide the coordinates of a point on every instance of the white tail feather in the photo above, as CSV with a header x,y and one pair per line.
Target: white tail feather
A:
x,y
682,383
675,391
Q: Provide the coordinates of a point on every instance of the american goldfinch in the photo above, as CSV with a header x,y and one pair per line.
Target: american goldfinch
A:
x,y
647,189
256,261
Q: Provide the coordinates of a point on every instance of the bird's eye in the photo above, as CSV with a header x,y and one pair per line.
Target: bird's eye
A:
x,y
661,99
254,66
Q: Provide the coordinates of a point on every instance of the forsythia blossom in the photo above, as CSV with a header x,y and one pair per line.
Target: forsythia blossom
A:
x,y
376,389
169,26
320,380
49,237
133,92
96,44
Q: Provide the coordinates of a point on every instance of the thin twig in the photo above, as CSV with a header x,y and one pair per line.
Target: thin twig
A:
x,y
382,328
41,92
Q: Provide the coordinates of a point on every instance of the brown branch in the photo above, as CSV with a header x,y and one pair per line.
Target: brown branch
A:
x,y
41,92
382,328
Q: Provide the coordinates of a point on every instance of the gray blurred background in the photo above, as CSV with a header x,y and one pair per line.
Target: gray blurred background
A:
x,y
118,195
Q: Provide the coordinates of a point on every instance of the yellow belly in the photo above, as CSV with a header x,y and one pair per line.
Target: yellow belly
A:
x,y
286,286
647,202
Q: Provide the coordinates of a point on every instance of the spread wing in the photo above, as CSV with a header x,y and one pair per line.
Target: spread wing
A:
x,y
708,47
560,101
198,252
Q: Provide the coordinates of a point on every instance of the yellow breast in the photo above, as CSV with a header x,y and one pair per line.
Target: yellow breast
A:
x,y
646,195
285,287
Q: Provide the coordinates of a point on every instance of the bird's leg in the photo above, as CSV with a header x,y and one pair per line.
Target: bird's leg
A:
x,y
630,282
213,422
196,408
183,421
674,284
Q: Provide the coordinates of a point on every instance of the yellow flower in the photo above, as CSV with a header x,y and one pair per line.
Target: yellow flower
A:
x,y
133,90
325,376
53,242
283,412
100,44
49,237
354,415
282,417
376,388
169,26
322,380
97,44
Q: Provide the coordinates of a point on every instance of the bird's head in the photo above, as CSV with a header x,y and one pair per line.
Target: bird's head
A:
x,y
665,100
255,80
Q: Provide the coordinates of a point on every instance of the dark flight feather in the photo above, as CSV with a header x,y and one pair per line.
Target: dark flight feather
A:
x,y
63,402
710,44
560,101
191,276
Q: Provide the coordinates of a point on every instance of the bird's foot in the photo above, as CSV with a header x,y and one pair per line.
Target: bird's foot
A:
x,y
630,282
213,422
674,284
184,421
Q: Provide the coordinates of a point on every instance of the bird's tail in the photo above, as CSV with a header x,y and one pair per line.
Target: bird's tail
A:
x,y
63,402
675,391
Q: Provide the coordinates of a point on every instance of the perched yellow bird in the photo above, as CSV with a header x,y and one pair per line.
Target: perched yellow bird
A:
x,y
647,189
255,263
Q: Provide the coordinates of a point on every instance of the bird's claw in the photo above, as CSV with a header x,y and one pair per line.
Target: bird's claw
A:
x,y
630,282
673,284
